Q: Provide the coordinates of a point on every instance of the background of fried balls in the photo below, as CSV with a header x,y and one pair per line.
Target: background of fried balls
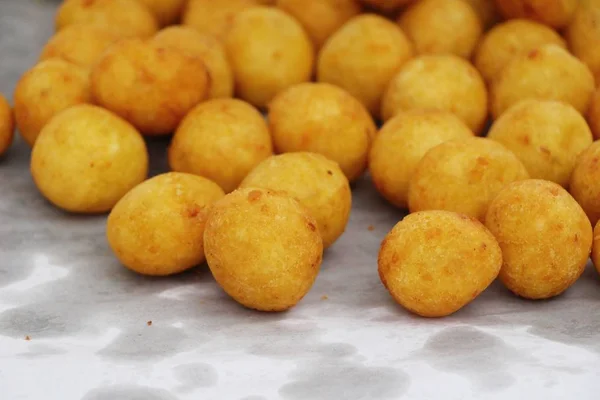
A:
x,y
478,116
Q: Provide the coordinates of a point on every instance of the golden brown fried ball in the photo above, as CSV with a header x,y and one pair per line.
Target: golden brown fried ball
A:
x,y
150,86
315,181
206,47
157,228
362,56
214,17
438,82
547,136
583,35
442,27
594,114
7,125
324,119
554,13
487,11
387,6
463,176
45,90
584,182
166,12
79,44
402,142
222,140
596,248
269,51
263,248
545,238
510,39
320,18
126,18
86,159
433,263
548,72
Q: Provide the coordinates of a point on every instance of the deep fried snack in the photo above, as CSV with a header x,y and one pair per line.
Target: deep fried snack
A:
x,y
166,12
86,159
315,181
547,136
150,86
324,119
584,182
596,248
263,248
594,114
45,90
583,35
157,228
554,13
214,17
433,263
222,140
545,238
487,11
7,125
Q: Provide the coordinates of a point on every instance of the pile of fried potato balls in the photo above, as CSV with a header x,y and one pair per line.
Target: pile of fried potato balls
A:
x,y
477,116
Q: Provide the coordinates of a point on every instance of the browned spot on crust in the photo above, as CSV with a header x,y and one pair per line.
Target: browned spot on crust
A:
x,y
329,172
395,258
92,164
87,3
254,195
526,140
312,226
576,239
483,246
533,54
371,228
554,191
483,161
193,212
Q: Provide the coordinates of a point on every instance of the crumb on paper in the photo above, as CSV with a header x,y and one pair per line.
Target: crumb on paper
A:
x,y
371,228
149,323
27,338
324,297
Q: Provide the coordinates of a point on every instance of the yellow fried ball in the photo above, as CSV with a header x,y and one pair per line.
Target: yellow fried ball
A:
x,y
584,182
157,228
206,47
583,35
554,13
442,27
324,119
438,82
362,56
166,12
402,142
45,90
7,125
547,136
315,181
263,248
463,176
433,263
487,11
150,86
214,17
79,44
222,140
269,51
86,159
596,248
320,18
548,72
594,114
387,6
510,39
545,238
126,18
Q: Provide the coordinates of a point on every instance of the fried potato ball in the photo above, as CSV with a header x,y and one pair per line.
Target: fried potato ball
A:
x,y
166,12
487,11
126,18
548,72
320,18
79,44
583,35
545,238
510,39
433,263
45,90
7,125
362,56
594,114
315,181
86,159
206,47
222,140
596,248
439,82
157,228
324,119
547,136
463,176
554,13
584,182
402,142
152,87
263,248
214,17
387,6
442,27
269,51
